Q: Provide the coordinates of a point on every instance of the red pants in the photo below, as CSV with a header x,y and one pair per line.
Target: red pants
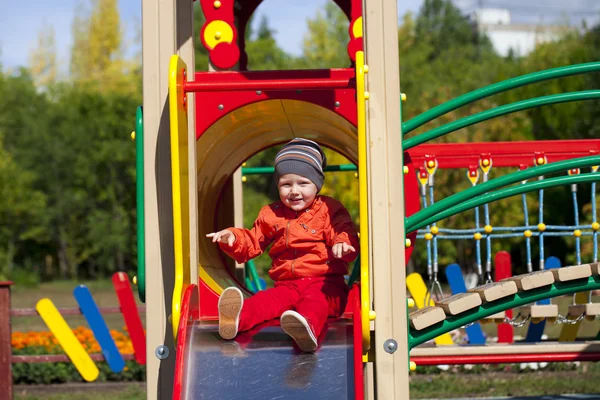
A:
x,y
314,298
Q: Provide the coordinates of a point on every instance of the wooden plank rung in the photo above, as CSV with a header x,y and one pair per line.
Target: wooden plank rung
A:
x,y
460,302
572,273
495,290
426,317
532,280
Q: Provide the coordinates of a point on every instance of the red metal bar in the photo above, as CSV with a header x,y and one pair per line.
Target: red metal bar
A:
x,y
269,84
503,154
505,358
5,346
25,312
55,358
189,313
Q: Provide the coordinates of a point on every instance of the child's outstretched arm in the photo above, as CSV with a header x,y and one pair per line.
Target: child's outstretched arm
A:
x,y
242,244
342,236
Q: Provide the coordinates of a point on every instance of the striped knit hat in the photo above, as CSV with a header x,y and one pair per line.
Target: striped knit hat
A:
x,y
301,157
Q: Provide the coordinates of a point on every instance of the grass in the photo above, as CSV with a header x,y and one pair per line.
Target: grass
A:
x,y
504,384
82,392
61,293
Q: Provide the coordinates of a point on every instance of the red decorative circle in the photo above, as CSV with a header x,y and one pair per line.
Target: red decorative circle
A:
x,y
412,203
225,55
353,46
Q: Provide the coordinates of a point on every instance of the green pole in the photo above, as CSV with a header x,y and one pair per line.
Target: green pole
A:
x,y
139,197
495,88
498,111
505,180
507,192
269,170
254,274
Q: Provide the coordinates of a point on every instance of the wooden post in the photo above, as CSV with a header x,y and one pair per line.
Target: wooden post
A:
x,y
5,347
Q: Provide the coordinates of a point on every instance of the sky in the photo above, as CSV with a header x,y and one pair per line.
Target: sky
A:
x,y
22,21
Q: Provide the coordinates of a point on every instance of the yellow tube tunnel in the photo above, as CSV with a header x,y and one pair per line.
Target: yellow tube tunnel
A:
x,y
237,136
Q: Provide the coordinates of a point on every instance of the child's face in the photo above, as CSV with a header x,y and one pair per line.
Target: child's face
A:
x,y
296,192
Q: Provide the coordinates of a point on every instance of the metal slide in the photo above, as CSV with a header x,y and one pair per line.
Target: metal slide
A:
x,y
265,365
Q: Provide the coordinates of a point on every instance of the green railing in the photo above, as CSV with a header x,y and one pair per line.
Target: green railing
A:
x,y
139,188
498,111
418,219
496,88
416,338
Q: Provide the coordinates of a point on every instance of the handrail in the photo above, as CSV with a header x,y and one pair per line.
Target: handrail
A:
x,y
139,197
508,192
416,338
439,206
496,88
361,125
179,185
498,111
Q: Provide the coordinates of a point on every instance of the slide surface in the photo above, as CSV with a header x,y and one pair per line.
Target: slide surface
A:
x,y
265,365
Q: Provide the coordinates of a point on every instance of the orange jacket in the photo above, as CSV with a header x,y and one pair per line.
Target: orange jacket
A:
x,y
301,241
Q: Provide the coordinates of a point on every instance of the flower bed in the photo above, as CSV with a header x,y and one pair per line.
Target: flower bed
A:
x,y
44,343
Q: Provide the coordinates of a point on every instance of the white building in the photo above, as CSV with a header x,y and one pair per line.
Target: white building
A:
x,y
521,38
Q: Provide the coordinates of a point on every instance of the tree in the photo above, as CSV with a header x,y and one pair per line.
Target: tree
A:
x,y
42,60
263,51
325,44
97,53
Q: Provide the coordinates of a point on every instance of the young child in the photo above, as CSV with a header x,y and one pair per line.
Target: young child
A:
x,y
313,239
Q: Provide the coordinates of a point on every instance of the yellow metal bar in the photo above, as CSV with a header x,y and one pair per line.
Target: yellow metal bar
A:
x,y
67,339
180,183
568,333
365,297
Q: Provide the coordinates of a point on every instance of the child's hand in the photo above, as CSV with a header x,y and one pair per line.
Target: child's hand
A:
x,y
339,250
224,236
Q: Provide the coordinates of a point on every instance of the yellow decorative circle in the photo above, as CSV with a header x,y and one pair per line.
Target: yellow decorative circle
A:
x,y
244,165
477,236
217,28
595,226
540,161
403,96
428,236
485,162
367,95
244,178
357,29
356,174
577,232
405,169
372,315
132,135
434,230
407,243
413,366
135,280
431,163
410,302
217,4
527,233
488,229
366,69
541,227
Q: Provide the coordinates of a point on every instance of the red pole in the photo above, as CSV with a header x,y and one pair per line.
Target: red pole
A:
x,y
269,84
5,347
504,270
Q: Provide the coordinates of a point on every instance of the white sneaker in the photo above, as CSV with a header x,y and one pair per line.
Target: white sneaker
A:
x,y
300,330
230,307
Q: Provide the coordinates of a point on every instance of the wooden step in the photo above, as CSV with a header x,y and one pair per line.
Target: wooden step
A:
x,y
426,317
460,302
595,268
572,273
495,290
532,280
539,311
590,309
497,318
